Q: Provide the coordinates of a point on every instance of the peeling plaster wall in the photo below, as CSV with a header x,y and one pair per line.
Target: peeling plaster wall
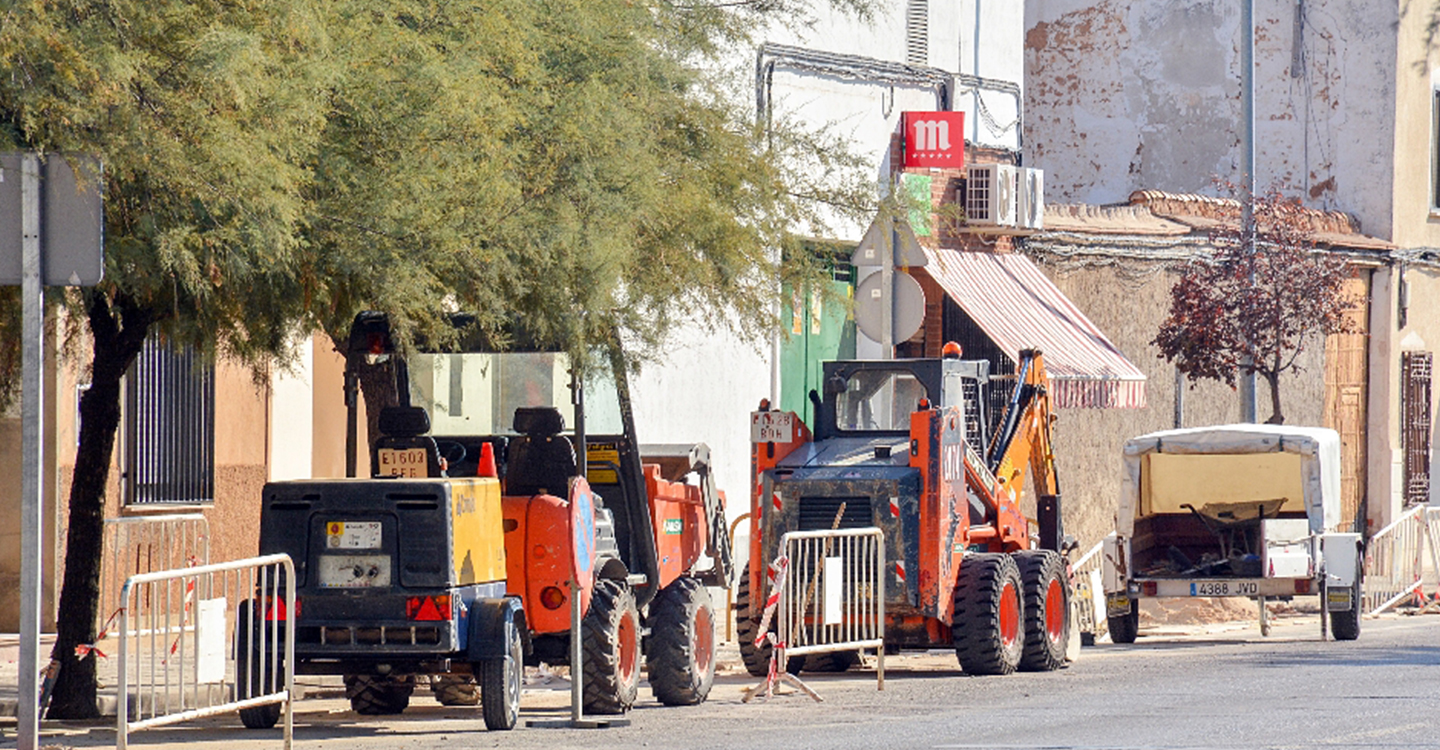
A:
x,y
1123,96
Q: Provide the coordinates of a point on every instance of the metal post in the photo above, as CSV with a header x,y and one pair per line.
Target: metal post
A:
x,y
577,664
887,287
1249,408
32,436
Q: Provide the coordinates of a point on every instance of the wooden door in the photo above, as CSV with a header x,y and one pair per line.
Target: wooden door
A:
x,y
1346,364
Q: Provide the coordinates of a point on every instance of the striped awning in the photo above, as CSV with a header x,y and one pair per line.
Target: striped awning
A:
x,y
1019,308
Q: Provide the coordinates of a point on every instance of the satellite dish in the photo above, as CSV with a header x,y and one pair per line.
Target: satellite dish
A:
x,y
870,304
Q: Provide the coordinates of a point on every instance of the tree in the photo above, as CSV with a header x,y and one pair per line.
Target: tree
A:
x,y
273,168
1263,307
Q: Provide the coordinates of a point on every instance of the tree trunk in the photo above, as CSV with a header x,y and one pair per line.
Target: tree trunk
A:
x,y
117,341
1276,417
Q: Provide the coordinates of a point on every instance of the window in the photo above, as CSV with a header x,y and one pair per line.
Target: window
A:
x,y
1415,369
1435,149
917,32
169,427
878,400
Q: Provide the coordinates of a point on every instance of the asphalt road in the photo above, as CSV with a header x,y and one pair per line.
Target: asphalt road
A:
x,y
1222,689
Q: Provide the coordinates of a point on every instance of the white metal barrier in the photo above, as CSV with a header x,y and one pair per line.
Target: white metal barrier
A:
x,y
144,544
834,593
1087,593
1396,557
178,655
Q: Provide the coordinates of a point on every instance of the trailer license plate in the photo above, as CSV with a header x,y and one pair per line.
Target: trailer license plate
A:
x,y
407,462
1224,588
352,535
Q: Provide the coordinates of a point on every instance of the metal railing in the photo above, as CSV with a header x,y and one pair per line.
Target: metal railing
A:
x,y
144,544
834,593
1396,557
183,656
1085,587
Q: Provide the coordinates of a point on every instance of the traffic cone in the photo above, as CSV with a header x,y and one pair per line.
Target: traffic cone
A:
x,y
486,466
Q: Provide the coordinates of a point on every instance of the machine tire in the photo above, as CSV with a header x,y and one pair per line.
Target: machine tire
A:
x,y
835,661
247,662
989,615
378,696
1345,626
757,659
681,650
501,681
455,690
612,649
1125,628
1047,610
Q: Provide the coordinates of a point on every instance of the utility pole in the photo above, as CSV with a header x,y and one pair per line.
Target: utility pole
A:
x,y
1248,404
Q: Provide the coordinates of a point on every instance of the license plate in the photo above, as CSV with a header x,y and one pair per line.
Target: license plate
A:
x,y
352,535
403,462
1117,606
771,426
354,571
1224,588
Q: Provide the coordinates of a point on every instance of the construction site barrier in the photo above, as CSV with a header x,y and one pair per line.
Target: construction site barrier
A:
x,y
178,658
833,595
1088,593
1396,559
144,544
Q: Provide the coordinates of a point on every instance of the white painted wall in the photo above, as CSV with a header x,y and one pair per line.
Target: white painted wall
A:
x,y
292,433
1145,95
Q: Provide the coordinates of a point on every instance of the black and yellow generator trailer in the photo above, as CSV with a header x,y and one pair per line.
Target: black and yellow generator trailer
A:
x,y
398,581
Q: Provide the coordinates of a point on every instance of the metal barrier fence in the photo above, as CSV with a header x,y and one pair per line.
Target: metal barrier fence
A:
x,y
834,593
144,544
1396,556
1087,593
178,655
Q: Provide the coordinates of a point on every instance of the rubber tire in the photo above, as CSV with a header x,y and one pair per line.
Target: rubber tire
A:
x,y
247,659
1345,626
835,661
609,689
985,581
501,681
378,696
680,659
1125,628
1040,570
747,626
455,690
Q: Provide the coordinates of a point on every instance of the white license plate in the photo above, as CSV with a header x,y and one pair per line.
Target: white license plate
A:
x,y
771,426
354,571
1224,588
352,535
407,462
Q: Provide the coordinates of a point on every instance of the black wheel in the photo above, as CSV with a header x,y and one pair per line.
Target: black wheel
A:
x,y
500,681
1047,610
455,690
1124,628
612,649
747,626
376,696
1345,626
835,661
253,677
988,615
681,650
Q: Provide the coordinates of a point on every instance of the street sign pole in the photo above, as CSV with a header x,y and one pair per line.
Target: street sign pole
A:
x,y
31,435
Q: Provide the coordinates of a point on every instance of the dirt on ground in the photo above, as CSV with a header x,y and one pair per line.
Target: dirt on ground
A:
x,y
1202,611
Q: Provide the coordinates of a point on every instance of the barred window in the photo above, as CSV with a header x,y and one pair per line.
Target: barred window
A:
x,y
169,426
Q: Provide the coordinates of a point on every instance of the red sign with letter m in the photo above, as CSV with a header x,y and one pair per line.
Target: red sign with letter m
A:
x,y
934,139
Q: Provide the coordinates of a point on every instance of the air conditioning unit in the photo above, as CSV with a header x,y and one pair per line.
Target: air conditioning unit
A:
x,y
1032,199
990,195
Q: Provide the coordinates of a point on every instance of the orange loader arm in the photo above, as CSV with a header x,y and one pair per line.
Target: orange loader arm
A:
x,y
1024,439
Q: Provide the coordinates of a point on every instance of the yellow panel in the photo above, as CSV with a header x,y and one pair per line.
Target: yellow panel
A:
x,y
1171,480
479,531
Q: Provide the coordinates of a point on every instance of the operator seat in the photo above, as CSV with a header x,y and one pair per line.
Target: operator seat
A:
x,y
402,428
541,461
